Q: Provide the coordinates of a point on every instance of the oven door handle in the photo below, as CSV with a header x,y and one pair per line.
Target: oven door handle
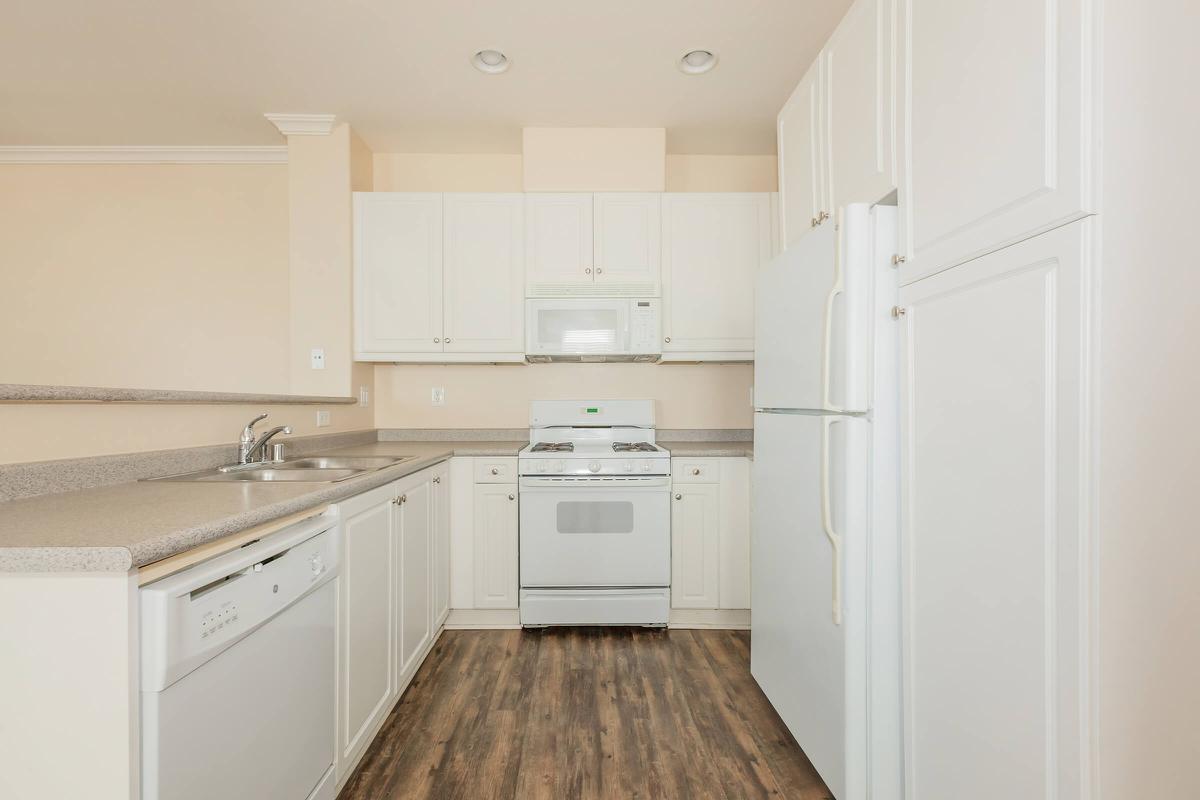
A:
x,y
631,484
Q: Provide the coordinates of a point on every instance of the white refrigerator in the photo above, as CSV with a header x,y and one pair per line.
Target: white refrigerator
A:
x,y
825,577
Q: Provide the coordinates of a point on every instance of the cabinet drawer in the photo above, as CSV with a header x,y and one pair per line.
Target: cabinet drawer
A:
x,y
496,470
695,470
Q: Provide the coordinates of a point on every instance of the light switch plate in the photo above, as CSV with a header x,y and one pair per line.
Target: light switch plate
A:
x,y
364,396
318,358
438,396
322,419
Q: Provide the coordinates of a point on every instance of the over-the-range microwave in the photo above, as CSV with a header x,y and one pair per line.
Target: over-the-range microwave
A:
x,y
592,329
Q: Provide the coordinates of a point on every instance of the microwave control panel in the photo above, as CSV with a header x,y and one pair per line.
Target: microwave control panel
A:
x,y
644,326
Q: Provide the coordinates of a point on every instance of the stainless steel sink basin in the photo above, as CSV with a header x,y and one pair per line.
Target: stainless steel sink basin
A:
x,y
281,474
343,462
312,469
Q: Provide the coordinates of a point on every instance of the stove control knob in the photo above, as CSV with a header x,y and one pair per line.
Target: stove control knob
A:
x,y
558,466
594,466
646,467
628,466
541,466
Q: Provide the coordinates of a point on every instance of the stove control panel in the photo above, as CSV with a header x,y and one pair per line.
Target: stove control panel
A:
x,y
595,466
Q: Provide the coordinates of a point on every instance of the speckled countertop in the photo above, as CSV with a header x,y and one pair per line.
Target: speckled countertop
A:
x,y
710,449
115,528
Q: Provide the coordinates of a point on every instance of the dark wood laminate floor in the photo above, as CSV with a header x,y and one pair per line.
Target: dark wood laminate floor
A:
x,y
582,713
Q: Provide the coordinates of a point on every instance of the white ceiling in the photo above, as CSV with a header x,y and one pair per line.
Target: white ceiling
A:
x,y
203,72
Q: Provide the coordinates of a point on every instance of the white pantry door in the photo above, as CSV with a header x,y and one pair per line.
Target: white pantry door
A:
x,y
802,173
1000,109
996,551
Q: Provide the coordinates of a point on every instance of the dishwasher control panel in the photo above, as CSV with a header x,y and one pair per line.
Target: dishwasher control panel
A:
x,y
192,615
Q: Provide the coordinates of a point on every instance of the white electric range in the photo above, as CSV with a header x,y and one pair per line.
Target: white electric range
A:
x,y
595,515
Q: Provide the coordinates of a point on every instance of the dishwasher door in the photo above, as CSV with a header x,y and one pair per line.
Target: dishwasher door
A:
x,y
238,691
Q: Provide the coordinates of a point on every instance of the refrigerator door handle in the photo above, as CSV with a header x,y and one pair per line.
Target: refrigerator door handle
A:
x,y
835,539
839,287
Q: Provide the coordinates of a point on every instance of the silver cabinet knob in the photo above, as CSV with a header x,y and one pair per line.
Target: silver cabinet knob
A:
x,y
696,471
588,270
667,340
678,497
437,480
437,340
495,471
403,499
447,340
599,270
512,497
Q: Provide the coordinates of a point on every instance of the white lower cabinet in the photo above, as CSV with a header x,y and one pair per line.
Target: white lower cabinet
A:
x,y
393,591
996,564
710,533
414,548
366,622
496,550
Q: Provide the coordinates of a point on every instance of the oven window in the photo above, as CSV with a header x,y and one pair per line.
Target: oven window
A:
x,y
595,516
579,330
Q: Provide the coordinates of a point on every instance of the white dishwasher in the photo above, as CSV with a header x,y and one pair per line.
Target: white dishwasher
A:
x,y
238,656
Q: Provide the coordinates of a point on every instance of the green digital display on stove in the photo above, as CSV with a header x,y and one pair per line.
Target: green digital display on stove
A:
x,y
593,411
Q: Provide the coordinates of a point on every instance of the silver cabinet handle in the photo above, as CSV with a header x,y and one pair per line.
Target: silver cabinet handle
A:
x,y
589,270
667,340
512,497
495,471
447,340
437,480
598,270
403,499
678,497
437,340
696,471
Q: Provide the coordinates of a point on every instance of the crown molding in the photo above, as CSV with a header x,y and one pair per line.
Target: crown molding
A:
x,y
34,154
303,124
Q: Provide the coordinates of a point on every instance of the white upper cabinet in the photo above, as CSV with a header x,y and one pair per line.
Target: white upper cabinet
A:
x,y
483,273
609,243
802,183
397,274
713,245
837,132
1000,116
860,80
558,241
628,241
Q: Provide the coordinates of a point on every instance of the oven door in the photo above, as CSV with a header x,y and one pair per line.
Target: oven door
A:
x,y
595,531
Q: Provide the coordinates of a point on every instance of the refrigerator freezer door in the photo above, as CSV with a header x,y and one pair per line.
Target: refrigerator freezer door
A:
x,y
812,319
808,644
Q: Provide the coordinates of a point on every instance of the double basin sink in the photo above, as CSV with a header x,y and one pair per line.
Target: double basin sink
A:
x,y
314,469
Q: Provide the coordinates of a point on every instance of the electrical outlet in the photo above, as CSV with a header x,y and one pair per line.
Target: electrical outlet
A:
x,y
438,396
364,397
318,358
322,419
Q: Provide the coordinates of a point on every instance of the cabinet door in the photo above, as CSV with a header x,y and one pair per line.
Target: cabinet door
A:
x,y
695,545
734,506
366,625
415,512
397,274
860,75
558,241
713,245
1000,109
483,273
495,545
994,533
628,241
441,543
801,157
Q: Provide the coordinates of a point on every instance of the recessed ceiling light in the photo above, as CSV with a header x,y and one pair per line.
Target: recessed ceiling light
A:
x,y
697,62
493,62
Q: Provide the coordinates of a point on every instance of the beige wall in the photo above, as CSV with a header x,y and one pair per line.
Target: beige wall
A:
x,y
145,276
689,395
447,172
1150,382
702,173
594,159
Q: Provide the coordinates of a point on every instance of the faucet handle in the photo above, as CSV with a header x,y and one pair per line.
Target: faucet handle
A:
x,y
248,431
